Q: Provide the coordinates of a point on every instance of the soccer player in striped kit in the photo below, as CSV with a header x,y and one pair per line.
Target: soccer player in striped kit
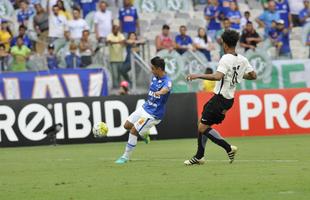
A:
x,y
231,70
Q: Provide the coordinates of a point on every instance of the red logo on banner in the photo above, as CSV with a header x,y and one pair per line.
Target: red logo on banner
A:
x,y
265,112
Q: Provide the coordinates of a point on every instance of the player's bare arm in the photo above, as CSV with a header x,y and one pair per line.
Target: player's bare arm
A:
x,y
250,76
230,70
163,91
211,77
151,112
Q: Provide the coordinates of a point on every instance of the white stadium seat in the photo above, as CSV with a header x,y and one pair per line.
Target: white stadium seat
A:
x,y
296,33
147,16
180,15
243,7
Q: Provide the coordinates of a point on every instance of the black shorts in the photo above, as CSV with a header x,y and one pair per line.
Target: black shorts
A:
x,y
214,110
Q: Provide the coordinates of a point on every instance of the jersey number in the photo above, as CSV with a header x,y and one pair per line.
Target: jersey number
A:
x,y
234,79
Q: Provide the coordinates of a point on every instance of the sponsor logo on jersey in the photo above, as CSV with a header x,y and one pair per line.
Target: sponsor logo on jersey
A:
x,y
152,94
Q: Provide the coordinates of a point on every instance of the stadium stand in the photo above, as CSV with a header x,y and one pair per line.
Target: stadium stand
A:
x,y
150,24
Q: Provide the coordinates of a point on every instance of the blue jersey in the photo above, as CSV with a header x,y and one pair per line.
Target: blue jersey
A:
x,y
156,105
183,40
234,14
26,39
73,61
303,13
225,4
52,62
284,10
23,16
87,6
128,17
212,11
285,40
267,17
273,34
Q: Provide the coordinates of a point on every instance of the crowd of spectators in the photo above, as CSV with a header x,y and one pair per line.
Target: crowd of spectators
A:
x,y
58,20
276,20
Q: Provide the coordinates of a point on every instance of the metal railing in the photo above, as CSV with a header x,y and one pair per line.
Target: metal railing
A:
x,y
197,58
138,62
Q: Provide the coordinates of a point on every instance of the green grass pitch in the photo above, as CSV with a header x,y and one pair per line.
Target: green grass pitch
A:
x,y
265,168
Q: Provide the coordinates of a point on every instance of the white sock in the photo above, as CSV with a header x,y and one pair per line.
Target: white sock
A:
x,y
131,144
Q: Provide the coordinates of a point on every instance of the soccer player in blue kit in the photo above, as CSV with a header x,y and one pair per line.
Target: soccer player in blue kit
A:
x,y
152,111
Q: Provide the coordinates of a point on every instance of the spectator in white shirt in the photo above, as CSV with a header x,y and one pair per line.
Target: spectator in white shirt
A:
x,y
57,25
75,27
203,43
103,22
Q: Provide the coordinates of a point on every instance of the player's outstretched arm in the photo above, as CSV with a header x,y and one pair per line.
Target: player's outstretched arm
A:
x,y
211,77
163,91
250,76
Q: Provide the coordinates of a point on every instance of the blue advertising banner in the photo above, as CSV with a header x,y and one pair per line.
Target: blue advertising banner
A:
x,y
58,83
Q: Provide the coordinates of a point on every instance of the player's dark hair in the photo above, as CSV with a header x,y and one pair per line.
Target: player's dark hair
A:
x,y
132,33
22,27
158,62
77,9
247,12
209,70
165,26
205,37
230,38
225,19
62,5
86,30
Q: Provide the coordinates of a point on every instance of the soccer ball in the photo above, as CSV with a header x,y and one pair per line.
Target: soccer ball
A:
x,y
100,129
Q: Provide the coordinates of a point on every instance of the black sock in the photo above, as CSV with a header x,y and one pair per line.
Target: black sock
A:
x,y
201,144
215,137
